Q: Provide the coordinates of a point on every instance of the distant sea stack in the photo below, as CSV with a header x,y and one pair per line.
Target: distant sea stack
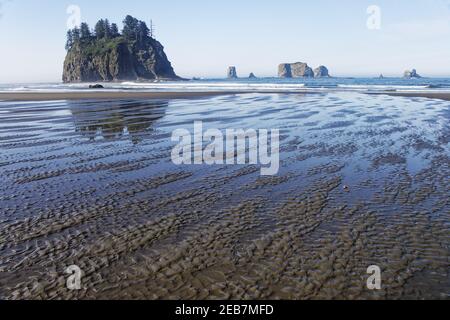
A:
x,y
105,54
411,74
252,76
232,73
284,70
295,70
321,72
301,70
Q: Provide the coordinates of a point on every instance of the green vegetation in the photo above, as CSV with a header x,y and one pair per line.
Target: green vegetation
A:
x,y
106,36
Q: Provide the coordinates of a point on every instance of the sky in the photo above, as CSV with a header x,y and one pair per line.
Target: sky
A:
x,y
203,37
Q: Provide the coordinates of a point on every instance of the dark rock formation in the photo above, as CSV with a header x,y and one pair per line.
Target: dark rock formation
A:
x,y
321,72
252,76
411,74
96,86
232,73
295,70
117,59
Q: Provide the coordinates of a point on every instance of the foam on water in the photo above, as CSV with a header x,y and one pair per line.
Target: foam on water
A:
x,y
261,85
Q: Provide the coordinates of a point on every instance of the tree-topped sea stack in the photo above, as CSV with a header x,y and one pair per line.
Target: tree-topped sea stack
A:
x,y
105,54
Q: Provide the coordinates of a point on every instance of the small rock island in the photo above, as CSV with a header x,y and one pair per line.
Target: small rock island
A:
x,y
411,74
232,73
105,54
301,70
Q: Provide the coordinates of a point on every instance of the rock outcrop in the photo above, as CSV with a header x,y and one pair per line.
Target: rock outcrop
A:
x,y
295,70
300,69
117,59
96,86
232,73
321,72
411,74
252,76
284,70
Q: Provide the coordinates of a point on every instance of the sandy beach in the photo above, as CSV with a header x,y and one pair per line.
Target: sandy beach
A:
x,y
52,96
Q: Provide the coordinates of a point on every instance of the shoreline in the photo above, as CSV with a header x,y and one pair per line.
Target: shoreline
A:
x,y
103,95
51,96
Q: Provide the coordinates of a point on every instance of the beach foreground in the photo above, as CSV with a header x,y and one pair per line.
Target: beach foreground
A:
x,y
363,181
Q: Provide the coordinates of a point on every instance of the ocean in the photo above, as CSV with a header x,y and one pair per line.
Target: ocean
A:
x,y
363,181
268,84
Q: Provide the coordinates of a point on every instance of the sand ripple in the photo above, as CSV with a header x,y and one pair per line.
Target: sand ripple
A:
x,y
91,184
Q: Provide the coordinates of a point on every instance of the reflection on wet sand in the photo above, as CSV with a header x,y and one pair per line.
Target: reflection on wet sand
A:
x,y
112,120
363,181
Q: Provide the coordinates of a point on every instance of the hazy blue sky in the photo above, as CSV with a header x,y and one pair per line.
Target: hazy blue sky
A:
x,y
203,37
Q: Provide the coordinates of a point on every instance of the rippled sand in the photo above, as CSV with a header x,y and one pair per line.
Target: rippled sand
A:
x,y
91,183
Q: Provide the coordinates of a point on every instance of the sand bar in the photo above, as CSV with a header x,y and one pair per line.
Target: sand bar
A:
x,y
104,95
99,95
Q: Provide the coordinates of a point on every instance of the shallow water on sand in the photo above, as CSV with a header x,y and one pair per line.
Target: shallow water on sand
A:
x,y
91,183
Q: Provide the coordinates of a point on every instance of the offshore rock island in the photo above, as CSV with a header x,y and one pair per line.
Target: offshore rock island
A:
x,y
105,54
301,70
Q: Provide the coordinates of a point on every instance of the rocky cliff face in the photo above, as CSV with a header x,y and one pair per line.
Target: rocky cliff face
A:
x,y
116,60
295,70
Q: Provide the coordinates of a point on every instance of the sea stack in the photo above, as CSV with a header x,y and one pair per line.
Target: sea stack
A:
x,y
284,70
321,72
113,56
411,74
232,73
295,70
252,76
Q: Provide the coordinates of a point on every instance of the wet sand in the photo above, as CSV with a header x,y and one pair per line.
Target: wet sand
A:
x,y
105,95
91,183
430,95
